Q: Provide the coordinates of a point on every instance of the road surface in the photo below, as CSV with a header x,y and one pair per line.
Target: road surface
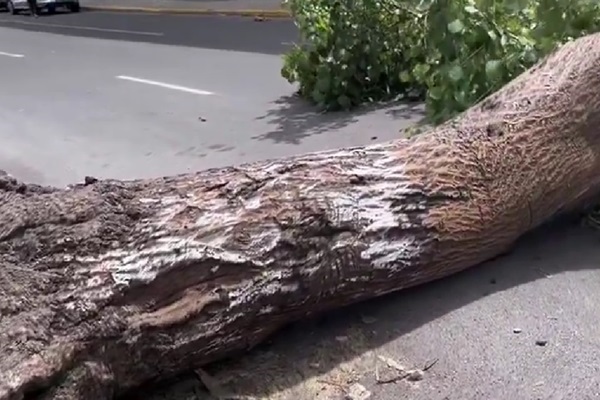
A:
x,y
209,32
227,5
126,96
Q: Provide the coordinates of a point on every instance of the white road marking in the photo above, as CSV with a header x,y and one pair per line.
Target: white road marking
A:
x,y
13,55
165,85
85,28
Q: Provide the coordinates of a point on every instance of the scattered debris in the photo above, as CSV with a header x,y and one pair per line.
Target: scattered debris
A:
x,y
341,338
415,375
393,373
400,372
541,343
331,383
202,119
314,365
392,363
517,330
382,381
493,281
430,365
373,137
357,392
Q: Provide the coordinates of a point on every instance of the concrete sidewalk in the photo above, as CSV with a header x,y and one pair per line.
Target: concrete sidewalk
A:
x,y
265,8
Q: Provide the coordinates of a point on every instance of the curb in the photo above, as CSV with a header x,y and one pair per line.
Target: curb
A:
x,y
184,11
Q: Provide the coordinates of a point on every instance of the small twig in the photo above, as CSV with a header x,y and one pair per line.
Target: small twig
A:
x,y
430,365
392,380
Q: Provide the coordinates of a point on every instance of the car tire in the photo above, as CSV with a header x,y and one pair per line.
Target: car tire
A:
x,y
75,7
11,8
51,9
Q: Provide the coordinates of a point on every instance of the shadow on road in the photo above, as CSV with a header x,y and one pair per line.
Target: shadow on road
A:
x,y
295,357
294,119
210,32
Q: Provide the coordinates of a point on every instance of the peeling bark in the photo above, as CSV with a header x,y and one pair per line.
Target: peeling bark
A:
x,y
107,285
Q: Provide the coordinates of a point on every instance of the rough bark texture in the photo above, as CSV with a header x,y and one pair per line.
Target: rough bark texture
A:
x,y
107,285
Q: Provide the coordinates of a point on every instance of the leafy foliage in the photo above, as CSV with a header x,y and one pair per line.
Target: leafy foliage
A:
x,y
451,53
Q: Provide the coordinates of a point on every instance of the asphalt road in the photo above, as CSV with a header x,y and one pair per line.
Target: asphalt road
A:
x,y
125,96
222,33
189,4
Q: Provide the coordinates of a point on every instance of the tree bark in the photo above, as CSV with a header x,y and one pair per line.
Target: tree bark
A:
x,y
107,285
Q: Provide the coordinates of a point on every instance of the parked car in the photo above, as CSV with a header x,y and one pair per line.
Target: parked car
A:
x,y
50,6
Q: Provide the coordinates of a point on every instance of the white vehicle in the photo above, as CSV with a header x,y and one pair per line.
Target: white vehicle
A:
x,y
50,6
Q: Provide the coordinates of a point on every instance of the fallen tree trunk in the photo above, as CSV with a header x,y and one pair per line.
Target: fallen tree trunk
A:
x,y
106,285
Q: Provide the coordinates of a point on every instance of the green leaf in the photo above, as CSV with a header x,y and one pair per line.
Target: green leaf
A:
x,y
456,26
471,10
420,71
456,73
530,56
323,71
461,97
493,69
436,93
405,76
323,84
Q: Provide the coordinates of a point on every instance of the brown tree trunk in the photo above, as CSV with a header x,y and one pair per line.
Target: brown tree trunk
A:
x,y
107,285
